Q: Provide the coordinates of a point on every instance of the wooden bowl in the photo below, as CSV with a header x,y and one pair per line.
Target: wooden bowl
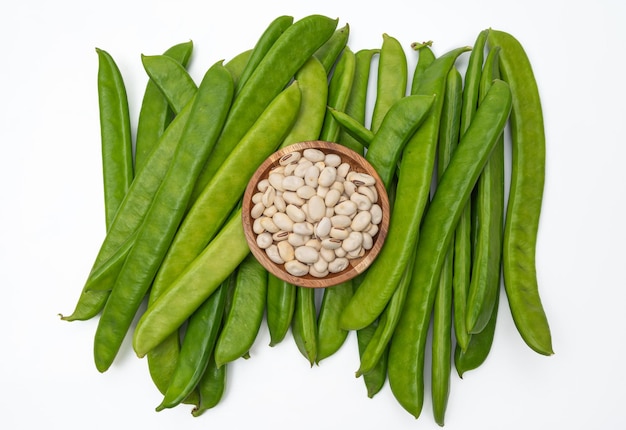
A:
x,y
356,265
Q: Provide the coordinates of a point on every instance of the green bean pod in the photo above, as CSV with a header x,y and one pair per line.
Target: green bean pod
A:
x,y
206,118
312,80
338,93
155,113
115,133
406,354
198,343
463,237
194,285
169,74
442,309
236,65
356,106
211,387
476,352
271,34
330,336
331,50
413,191
425,58
525,195
245,314
281,303
286,56
391,81
489,208
304,325
360,134
211,209
375,378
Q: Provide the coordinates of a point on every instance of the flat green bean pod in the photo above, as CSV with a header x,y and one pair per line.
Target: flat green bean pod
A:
x,y
330,336
177,85
155,114
194,285
304,326
331,50
338,93
525,195
406,354
211,387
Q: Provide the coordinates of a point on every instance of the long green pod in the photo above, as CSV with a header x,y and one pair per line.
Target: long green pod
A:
x,y
115,134
281,303
121,236
211,387
476,352
155,113
312,80
376,377
356,106
331,50
351,127
267,39
489,208
211,209
194,285
170,75
198,343
406,354
304,325
243,321
442,310
413,192
278,67
463,237
206,119
330,335
391,81
338,93
425,58
236,65
525,194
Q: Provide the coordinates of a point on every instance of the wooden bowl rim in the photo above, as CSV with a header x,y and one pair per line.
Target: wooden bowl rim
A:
x,y
357,265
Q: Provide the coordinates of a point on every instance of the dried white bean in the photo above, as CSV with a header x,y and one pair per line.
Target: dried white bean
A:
x,y
264,240
292,183
306,192
361,221
296,239
349,188
257,227
289,169
347,207
286,251
343,169
280,236
292,157
269,225
296,268
306,254
302,167
352,242
360,178
257,197
313,155
303,228
270,211
327,254
357,253
322,191
363,203
369,192
327,176
276,181
339,233
340,252
368,242
280,204
262,185
272,253
283,221
316,208
341,221
338,265
314,243
314,272
372,230
257,210
331,243
332,197
311,176
322,229
332,160
295,213
377,214
292,198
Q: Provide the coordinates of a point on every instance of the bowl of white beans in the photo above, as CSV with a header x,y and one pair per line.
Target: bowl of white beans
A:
x,y
315,214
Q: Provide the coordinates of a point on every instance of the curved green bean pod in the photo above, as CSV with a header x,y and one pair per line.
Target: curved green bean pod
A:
x,y
479,345
169,74
353,128
313,83
198,343
391,80
406,354
211,209
463,235
525,195
115,133
356,105
375,378
413,191
236,64
211,387
304,325
155,234
271,34
281,303
489,208
155,114
331,50
330,336
338,93
243,321
286,56
424,60
194,285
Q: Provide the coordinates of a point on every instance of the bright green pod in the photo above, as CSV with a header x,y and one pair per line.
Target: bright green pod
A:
x,y
304,326
330,336
338,93
331,50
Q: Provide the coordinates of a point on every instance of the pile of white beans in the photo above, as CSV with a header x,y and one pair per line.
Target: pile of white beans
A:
x,y
314,214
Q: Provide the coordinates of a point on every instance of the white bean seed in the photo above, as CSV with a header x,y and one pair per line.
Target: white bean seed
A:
x,y
361,221
273,254
332,197
316,208
295,213
347,207
332,160
306,192
343,169
363,203
306,254
341,221
377,214
283,221
296,268
286,251
303,228
276,181
257,210
264,240
292,157
313,155
292,183
327,176
322,229
311,176
338,265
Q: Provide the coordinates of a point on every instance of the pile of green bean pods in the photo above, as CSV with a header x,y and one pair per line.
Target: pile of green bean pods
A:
x,y
174,236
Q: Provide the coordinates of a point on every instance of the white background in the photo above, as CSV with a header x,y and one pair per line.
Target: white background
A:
x,y
52,219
